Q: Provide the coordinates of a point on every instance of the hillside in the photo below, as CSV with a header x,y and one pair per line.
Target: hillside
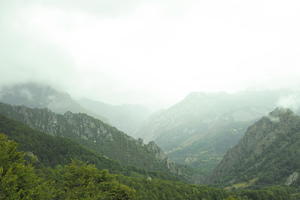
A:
x,y
50,150
95,135
78,180
200,129
268,154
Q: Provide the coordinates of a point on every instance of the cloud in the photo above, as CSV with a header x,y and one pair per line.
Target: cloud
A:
x,y
150,51
291,101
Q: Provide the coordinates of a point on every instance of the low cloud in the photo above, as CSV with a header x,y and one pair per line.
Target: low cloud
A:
x,y
291,101
150,52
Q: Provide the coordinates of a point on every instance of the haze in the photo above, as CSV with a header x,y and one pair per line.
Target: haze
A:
x,y
150,52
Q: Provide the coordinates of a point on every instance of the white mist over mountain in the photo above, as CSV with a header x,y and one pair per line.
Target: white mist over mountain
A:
x,y
150,52
291,101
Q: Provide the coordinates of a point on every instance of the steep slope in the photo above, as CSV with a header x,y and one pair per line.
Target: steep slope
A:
x,y
51,150
36,95
268,153
127,118
200,129
94,134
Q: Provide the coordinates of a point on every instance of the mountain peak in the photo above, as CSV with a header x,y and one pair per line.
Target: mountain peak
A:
x,y
281,111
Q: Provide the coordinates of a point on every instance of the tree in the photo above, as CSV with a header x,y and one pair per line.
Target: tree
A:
x,y
85,182
18,179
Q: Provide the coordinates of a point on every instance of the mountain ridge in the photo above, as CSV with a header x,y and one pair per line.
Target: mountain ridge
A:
x,y
198,130
267,154
93,134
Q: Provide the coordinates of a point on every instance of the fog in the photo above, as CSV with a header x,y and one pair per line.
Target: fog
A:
x,y
151,52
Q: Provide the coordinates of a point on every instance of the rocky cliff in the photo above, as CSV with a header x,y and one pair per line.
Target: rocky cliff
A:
x,y
267,154
95,135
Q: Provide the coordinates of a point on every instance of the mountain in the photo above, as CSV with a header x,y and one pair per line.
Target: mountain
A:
x,y
268,154
79,180
95,135
127,118
200,129
36,95
51,150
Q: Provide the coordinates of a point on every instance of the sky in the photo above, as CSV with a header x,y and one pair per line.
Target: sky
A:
x,y
151,52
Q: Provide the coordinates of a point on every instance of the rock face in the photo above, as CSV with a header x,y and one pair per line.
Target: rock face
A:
x,y
201,128
267,154
93,134
52,151
292,179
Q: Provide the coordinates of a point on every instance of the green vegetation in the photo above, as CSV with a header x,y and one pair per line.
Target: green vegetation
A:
x,y
204,154
51,151
268,154
95,135
80,181
76,181
50,167
200,129
18,180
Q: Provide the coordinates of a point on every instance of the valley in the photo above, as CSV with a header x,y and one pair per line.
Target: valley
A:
x,y
205,139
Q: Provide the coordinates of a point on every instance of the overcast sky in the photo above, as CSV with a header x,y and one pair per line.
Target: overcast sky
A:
x,y
150,52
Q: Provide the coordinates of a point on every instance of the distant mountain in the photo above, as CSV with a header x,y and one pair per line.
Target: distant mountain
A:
x,y
127,118
268,154
95,135
199,130
36,95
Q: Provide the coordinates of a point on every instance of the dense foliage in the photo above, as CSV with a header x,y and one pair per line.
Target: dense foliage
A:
x,y
80,181
75,181
46,167
157,189
17,180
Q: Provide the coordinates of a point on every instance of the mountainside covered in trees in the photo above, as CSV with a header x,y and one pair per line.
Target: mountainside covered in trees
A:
x,y
77,180
200,129
95,135
268,154
50,151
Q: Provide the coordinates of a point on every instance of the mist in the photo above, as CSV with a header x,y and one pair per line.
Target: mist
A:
x,y
151,52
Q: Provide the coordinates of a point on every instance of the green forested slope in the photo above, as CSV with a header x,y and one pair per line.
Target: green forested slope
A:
x,y
95,135
77,181
52,150
268,154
